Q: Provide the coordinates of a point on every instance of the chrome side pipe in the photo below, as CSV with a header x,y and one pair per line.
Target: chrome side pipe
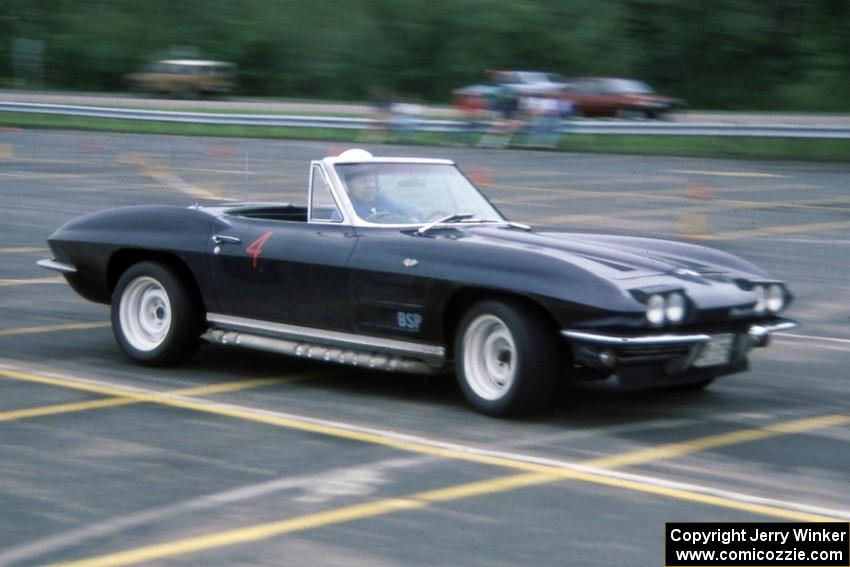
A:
x,y
315,351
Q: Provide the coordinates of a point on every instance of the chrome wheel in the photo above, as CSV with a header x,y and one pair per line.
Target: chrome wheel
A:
x,y
489,357
145,313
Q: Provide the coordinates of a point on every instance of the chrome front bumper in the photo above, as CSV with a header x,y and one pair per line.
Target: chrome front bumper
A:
x,y
671,352
759,333
57,266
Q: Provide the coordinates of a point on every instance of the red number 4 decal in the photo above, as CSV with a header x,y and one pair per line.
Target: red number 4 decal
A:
x,y
256,247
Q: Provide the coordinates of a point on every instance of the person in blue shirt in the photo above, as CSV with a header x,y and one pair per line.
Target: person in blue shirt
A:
x,y
372,205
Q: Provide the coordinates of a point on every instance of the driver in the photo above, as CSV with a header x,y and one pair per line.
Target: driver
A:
x,y
369,203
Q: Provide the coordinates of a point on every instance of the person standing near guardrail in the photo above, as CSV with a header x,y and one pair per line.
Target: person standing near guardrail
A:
x,y
545,116
503,103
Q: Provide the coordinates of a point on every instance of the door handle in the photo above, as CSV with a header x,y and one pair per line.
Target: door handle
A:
x,y
220,239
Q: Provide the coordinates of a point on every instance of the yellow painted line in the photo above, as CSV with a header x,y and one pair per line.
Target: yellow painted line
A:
x,y
278,421
53,328
306,522
22,250
370,510
415,501
168,179
533,474
642,456
72,407
672,450
57,409
635,457
728,173
234,386
31,281
667,451
770,230
696,497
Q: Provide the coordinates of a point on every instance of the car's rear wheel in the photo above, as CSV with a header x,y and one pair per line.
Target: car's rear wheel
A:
x,y
507,359
156,319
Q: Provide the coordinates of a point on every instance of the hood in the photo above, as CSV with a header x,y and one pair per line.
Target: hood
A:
x,y
620,257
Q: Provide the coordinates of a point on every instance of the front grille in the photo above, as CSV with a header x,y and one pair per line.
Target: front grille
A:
x,y
651,353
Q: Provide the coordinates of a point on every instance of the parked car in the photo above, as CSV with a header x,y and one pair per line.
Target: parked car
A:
x,y
609,97
401,264
519,83
188,78
529,82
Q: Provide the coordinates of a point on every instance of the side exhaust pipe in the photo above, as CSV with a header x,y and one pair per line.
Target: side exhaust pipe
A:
x,y
315,351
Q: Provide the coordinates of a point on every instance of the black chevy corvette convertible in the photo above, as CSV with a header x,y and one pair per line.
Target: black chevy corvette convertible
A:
x,y
402,264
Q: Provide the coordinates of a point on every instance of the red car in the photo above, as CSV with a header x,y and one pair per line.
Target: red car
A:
x,y
610,97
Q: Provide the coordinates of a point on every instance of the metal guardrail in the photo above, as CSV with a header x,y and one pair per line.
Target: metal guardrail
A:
x,y
613,127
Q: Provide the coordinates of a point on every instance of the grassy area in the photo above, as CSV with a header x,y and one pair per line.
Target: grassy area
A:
x,y
699,146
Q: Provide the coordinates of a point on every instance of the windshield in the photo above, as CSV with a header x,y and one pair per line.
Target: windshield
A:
x,y
412,193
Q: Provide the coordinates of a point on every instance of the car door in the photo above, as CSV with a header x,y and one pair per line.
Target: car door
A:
x,y
594,102
389,296
292,272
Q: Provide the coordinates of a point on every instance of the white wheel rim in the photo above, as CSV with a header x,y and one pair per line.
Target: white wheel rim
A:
x,y
145,313
489,357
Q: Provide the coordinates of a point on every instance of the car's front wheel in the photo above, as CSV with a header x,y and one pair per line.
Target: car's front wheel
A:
x,y
156,319
507,359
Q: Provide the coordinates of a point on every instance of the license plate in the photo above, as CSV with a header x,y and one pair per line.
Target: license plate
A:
x,y
717,351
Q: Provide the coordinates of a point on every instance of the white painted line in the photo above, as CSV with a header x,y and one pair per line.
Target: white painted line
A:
x,y
22,250
466,449
728,173
31,281
730,495
814,338
359,479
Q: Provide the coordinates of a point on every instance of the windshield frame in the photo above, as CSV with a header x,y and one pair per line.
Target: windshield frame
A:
x,y
353,219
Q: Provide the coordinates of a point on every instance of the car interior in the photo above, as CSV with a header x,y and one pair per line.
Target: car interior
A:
x,y
282,212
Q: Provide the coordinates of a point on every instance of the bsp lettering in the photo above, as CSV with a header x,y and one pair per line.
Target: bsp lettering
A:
x,y
410,321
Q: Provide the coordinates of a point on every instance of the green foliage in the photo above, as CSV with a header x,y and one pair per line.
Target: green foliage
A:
x,y
785,54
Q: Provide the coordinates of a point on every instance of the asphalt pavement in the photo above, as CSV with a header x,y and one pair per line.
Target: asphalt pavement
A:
x,y
246,458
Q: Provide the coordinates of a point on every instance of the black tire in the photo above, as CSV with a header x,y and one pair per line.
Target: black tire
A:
x,y
507,359
156,318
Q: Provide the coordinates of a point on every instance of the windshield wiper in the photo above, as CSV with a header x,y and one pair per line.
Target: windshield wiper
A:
x,y
444,220
518,225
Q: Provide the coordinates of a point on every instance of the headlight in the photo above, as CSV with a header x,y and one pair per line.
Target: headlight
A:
x,y
774,298
760,299
655,307
675,310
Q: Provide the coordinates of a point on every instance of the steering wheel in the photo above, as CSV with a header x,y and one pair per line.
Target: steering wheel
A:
x,y
389,217
377,215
